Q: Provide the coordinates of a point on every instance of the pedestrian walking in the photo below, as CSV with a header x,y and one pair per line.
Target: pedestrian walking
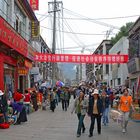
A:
x,y
80,108
52,99
34,100
27,101
112,97
95,110
106,102
125,104
64,98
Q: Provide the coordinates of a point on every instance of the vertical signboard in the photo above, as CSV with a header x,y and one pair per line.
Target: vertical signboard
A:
x,y
35,30
34,4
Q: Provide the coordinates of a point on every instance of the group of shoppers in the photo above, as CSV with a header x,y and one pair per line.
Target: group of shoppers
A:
x,y
96,106
20,104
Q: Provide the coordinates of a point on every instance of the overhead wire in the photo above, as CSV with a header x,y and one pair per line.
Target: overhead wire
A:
x,y
76,39
89,19
70,32
86,46
101,18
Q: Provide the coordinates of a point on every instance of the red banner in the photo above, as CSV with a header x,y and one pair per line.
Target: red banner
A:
x,y
72,58
34,4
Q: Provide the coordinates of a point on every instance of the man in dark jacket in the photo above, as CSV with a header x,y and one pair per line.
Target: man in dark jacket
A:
x,y
3,105
95,110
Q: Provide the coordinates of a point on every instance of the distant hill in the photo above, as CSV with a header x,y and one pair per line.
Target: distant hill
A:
x,y
68,70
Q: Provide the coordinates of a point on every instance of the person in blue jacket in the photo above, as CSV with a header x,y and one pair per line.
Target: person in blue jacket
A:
x,y
106,103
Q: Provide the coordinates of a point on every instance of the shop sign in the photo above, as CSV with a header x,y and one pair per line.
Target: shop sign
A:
x,y
31,53
35,30
73,58
11,38
28,64
22,71
34,4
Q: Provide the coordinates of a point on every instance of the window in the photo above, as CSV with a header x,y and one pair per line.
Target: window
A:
x,y
134,50
107,69
119,81
20,21
111,82
4,9
111,67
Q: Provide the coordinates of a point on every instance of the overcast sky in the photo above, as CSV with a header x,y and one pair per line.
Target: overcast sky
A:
x,y
94,9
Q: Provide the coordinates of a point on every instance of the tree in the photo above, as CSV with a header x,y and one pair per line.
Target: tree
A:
x,y
123,32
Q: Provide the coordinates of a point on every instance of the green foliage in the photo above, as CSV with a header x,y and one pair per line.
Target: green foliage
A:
x,y
123,32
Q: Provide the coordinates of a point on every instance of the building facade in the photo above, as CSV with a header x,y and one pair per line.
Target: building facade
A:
x,y
90,73
101,71
134,55
118,74
16,51
41,71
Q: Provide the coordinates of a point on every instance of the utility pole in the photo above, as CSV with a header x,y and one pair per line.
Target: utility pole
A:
x,y
54,43
81,65
55,6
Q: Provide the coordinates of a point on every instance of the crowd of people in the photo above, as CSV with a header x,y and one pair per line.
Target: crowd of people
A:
x,y
90,100
21,104
96,103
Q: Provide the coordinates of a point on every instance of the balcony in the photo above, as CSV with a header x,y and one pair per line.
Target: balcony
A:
x,y
133,65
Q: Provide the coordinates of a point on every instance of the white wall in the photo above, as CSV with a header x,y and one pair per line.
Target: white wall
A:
x,y
122,45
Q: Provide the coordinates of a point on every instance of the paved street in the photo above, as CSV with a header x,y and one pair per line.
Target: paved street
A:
x,y
61,125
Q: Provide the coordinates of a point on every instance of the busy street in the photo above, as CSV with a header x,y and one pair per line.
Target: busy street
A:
x,y
62,125
69,70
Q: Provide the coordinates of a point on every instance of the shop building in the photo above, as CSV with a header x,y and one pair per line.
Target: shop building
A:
x,y
134,56
16,53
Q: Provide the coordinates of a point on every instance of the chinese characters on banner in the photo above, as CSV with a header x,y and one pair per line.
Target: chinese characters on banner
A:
x,y
35,30
34,4
69,58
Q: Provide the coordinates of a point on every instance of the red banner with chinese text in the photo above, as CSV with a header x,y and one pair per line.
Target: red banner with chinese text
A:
x,y
34,4
74,58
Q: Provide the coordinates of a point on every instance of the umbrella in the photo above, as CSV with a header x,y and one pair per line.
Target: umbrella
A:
x,y
45,85
59,83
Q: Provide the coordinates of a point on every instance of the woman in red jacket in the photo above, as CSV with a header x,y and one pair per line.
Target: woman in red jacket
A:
x,y
19,107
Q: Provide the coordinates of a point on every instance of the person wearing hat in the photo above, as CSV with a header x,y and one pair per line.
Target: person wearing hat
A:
x,y
3,105
95,110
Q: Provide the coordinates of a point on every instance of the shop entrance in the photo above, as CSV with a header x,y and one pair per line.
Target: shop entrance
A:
x,y
9,78
22,83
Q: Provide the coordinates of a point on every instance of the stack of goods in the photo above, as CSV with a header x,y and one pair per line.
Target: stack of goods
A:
x,y
116,116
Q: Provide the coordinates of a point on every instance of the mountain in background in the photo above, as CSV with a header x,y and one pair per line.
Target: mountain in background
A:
x,y
69,70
